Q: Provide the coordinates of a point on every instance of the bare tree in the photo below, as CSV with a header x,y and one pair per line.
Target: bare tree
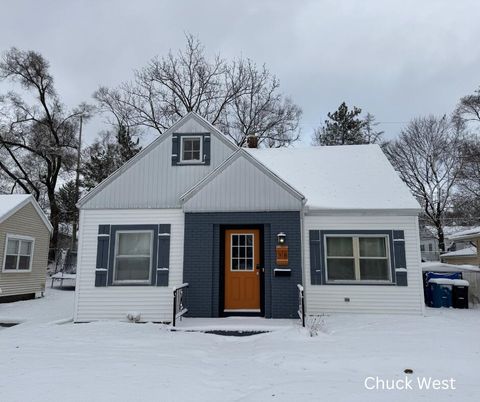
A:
x,y
468,109
236,96
428,157
38,138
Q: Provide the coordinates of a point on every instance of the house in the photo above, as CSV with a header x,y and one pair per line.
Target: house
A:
x,y
24,241
244,227
429,241
467,253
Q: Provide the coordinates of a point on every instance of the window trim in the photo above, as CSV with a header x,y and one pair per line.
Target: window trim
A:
x,y
356,258
148,281
11,236
191,161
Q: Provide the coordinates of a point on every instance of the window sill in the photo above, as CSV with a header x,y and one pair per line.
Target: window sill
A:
x,y
361,283
16,271
190,163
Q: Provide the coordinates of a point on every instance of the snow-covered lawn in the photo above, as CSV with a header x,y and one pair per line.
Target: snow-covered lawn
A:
x,y
114,361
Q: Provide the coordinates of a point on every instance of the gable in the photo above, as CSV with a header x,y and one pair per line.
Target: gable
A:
x,y
149,180
242,184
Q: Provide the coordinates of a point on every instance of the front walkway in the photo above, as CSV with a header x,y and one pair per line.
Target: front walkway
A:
x,y
240,324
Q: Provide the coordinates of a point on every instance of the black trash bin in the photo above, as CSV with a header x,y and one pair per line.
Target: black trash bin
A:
x,y
460,294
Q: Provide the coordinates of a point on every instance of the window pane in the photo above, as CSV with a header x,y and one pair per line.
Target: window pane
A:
x,y
374,270
195,156
340,246
250,264
25,247
134,243
132,268
187,145
372,247
234,264
24,262
12,247
11,262
341,269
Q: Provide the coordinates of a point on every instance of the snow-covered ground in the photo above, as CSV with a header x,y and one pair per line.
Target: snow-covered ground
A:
x,y
117,361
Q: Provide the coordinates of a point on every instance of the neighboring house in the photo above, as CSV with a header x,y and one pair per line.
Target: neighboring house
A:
x,y
428,245
429,241
469,254
244,227
465,256
24,241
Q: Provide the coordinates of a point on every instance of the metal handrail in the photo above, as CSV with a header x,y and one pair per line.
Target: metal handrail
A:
x,y
301,304
179,302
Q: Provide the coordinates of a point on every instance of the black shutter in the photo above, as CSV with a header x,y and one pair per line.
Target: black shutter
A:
x,y
206,149
103,246
315,258
400,259
163,260
175,149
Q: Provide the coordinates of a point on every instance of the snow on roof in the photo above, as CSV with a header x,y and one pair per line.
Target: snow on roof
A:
x,y
464,252
436,266
448,231
10,203
466,234
340,177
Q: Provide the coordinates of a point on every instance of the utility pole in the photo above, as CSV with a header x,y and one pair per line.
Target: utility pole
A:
x,y
77,184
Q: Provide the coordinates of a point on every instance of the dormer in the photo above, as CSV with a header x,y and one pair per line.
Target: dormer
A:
x,y
190,149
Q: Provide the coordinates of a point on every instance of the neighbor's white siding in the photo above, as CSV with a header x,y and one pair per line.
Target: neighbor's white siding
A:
x,y
242,186
154,303
366,299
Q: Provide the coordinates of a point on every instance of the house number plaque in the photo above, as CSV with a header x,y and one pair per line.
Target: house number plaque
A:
x,y
282,255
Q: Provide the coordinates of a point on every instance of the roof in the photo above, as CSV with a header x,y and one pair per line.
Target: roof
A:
x,y
223,166
340,177
464,252
11,203
471,233
436,266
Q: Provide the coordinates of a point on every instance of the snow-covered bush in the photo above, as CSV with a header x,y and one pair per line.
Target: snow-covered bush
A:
x,y
316,324
134,317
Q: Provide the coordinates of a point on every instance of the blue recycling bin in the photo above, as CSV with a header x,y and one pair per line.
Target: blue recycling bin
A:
x,y
441,292
428,289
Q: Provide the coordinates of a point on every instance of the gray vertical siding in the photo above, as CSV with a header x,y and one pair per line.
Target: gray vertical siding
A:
x,y
203,260
249,189
152,181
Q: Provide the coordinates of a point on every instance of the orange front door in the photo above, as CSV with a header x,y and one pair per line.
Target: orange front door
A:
x,y
242,278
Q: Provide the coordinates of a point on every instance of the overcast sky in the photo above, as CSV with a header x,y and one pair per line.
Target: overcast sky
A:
x,y
395,59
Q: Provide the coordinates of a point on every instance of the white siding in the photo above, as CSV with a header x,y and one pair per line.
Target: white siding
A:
x,y
152,182
154,303
366,299
243,186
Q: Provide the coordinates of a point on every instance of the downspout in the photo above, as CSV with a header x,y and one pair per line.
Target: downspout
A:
x,y
303,211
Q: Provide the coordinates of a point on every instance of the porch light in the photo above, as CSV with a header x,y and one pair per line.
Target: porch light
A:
x,y
281,237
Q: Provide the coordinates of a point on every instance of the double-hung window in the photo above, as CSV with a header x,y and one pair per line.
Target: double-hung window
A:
x,y
133,257
191,149
18,253
359,258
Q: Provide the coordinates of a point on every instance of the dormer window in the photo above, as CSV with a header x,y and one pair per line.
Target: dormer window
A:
x,y
191,149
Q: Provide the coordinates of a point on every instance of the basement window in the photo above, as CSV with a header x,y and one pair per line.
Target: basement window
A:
x,y
19,252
